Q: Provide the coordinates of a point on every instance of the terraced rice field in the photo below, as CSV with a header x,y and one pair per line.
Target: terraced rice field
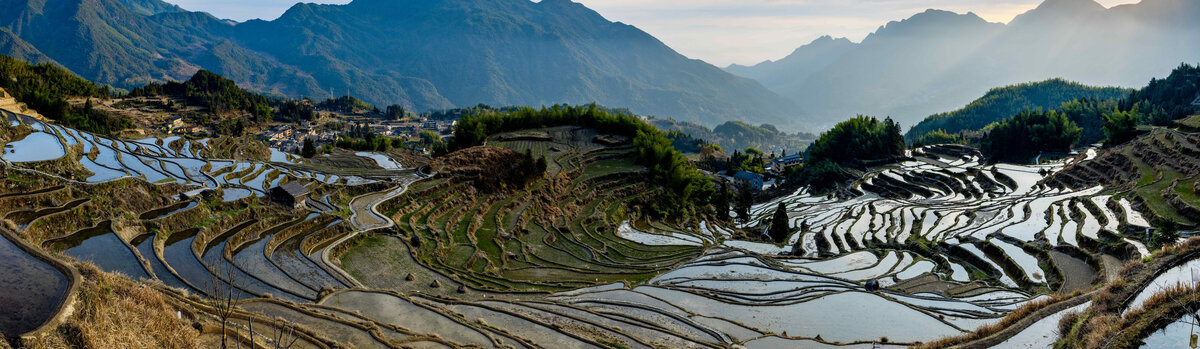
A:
x,y
411,260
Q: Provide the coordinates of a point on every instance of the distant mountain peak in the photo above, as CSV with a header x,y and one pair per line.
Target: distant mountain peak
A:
x,y
822,42
929,22
1054,10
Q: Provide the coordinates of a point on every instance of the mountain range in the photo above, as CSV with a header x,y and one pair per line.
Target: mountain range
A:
x,y
421,54
937,60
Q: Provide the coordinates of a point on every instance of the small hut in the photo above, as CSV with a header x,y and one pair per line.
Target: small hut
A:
x,y
290,194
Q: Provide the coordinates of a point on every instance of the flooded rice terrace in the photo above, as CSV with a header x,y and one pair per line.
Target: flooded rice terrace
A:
x,y
171,159
814,285
810,291
31,290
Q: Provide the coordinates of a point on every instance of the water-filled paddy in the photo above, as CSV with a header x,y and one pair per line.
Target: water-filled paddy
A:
x,y
383,161
30,290
102,247
37,146
145,246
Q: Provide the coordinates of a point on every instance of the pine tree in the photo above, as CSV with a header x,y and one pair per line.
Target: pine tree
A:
x,y
309,150
779,224
722,202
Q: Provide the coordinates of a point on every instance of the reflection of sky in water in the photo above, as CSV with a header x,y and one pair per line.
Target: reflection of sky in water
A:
x,y
30,289
37,146
383,161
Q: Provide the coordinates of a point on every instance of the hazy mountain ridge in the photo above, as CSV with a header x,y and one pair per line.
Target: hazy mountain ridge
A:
x,y
799,65
937,61
420,54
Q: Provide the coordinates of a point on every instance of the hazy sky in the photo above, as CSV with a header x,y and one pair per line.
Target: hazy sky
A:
x,y
722,31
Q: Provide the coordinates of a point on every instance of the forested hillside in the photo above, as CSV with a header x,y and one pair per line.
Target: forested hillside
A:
x,y
1004,102
46,87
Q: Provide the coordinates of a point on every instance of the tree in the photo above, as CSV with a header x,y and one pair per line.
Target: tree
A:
x,y
309,150
745,200
1119,127
394,112
224,294
429,138
721,204
780,226
818,176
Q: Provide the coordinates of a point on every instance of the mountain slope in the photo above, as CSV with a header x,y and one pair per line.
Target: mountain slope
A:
x,y
421,54
938,61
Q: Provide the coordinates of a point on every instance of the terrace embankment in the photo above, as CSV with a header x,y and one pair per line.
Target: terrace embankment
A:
x,y
1160,172
489,223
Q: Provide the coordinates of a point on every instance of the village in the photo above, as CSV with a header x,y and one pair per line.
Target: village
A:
x,y
289,137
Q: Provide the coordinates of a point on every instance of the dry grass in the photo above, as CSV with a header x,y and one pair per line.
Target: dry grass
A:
x,y
1012,318
1110,330
114,312
1103,326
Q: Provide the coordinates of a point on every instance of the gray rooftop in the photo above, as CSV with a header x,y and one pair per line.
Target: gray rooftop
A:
x,y
294,189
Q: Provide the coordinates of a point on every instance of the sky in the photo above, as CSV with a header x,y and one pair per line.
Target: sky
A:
x,y
722,32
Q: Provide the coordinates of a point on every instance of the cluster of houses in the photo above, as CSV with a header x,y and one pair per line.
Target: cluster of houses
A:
x,y
177,125
410,129
290,138
776,168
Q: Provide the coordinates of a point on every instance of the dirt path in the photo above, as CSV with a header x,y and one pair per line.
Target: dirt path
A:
x,y
1112,267
1077,275
364,217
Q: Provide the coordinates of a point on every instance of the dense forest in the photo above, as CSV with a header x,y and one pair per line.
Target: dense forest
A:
x,y
1166,100
363,138
1022,137
222,98
1004,102
45,88
685,190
